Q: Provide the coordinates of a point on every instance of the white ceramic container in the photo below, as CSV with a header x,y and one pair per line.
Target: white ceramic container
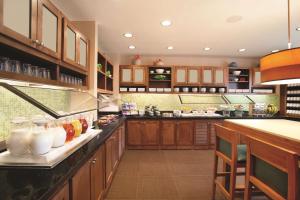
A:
x,y
18,141
59,136
41,139
203,90
159,71
212,90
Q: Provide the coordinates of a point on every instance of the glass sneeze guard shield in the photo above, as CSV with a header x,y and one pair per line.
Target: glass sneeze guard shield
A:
x,y
77,101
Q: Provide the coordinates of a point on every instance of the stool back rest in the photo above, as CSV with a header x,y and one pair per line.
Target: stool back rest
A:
x,y
272,169
226,143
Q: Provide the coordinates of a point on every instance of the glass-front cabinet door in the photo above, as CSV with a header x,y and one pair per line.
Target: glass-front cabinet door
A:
x,y
207,75
219,76
256,77
193,76
70,43
126,75
49,28
18,20
83,52
180,75
139,75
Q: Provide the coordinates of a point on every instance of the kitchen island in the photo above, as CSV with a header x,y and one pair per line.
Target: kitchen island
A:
x,y
280,132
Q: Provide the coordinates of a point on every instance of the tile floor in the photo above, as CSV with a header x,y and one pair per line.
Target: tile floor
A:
x,y
164,174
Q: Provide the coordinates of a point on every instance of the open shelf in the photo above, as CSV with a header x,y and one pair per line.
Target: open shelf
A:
x,y
104,81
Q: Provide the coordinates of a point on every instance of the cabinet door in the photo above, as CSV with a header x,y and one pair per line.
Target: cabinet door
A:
x,y
98,174
81,183
219,76
134,135
193,76
49,28
19,20
202,133
150,133
116,149
123,139
126,75
139,76
212,132
207,75
180,75
63,194
109,146
256,77
83,51
185,133
70,43
168,133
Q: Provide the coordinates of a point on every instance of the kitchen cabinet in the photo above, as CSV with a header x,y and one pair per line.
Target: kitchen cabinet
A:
x,y
81,183
150,132
212,132
193,76
185,133
134,134
180,75
112,155
256,77
202,134
36,23
214,76
98,174
168,133
122,140
75,46
133,75
62,194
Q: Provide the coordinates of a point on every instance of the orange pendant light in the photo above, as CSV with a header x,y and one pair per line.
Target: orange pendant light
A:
x,y
282,67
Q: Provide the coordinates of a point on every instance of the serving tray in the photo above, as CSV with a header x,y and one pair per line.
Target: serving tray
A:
x,y
50,159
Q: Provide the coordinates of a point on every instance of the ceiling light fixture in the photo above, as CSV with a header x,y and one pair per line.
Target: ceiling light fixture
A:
x,y
128,35
275,51
282,67
131,47
242,50
170,47
166,23
206,48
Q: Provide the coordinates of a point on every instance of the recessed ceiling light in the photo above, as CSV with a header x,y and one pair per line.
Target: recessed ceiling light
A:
x,y
242,50
128,35
131,47
170,47
166,23
274,51
298,29
206,48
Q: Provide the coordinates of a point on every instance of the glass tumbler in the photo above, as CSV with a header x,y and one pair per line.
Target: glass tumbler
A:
x,y
35,71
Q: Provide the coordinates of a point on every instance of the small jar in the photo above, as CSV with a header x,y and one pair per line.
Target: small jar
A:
x,y
18,141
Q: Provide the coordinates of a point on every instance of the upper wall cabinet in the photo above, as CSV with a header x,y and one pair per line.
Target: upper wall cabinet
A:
x,y
133,75
207,75
214,75
36,23
256,77
75,46
187,75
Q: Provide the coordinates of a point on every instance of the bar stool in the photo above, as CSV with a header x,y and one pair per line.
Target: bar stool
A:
x,y
271,169
233,157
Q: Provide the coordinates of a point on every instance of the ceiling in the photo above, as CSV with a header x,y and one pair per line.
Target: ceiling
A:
x,y
195,24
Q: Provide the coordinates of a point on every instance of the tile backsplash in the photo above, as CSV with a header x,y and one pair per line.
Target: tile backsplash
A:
x,y
12,106
172,101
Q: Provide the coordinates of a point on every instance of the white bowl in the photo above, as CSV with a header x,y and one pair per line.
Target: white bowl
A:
x,y
212,90
159,71
194,89
237,73
185,89
221,90
203,90
176,89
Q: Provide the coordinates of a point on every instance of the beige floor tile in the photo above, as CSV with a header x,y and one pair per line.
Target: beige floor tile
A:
x,y
123,187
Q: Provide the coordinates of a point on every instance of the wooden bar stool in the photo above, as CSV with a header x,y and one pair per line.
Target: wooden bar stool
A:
x,y
271,169
233,157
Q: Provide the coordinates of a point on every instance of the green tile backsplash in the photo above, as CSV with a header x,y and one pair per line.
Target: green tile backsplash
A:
x,y
12,106
172,101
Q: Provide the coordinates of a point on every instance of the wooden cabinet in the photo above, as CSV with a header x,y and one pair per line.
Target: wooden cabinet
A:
x,y
168,133
62,194
214,75
256,77
134,135
36,23
122,140
75,46
81,183
150,132
185,133
180,74
98,174
202,134
133,75
212,132
49,29
193,76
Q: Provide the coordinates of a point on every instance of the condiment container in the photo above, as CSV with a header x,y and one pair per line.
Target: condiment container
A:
x,y
18,141
59,135
41,138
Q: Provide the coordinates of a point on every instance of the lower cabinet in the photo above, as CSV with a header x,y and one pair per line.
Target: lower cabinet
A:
x,y
171,134
98,174
63,194
185,133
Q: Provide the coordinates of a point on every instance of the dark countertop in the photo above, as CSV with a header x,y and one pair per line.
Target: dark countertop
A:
x,y
145,117
39,183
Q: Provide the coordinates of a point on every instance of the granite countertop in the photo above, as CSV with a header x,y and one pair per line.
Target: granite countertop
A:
x,y
131,117
279,127
39,183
